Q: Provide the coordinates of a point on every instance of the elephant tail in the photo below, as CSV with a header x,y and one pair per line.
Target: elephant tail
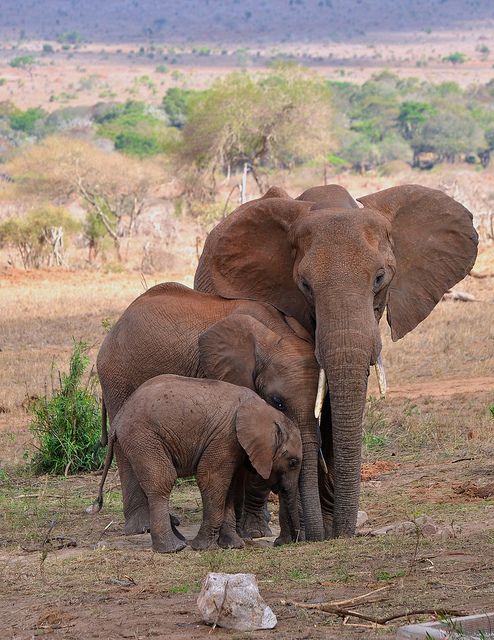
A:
x,y
98,503
104,424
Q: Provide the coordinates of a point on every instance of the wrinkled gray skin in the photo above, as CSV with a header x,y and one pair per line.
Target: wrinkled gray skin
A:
x,y
173,329
336,268
177,427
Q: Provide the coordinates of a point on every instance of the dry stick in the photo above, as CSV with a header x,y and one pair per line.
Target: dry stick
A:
x,y
221,607
358,599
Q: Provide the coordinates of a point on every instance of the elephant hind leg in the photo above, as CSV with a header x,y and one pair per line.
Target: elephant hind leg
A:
x,y
157,476
135,504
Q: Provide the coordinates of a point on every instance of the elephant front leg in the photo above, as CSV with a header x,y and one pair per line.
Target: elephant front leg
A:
x,y
255,517
135,504
214,481
229,538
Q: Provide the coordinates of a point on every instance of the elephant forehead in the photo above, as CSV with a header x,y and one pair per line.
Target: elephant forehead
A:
x,y
363,228
293,352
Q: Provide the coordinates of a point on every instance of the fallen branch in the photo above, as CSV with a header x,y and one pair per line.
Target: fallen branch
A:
x,y
328,607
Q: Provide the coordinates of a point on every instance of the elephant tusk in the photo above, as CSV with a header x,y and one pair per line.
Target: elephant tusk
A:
x,y
381,376
321,392
323,462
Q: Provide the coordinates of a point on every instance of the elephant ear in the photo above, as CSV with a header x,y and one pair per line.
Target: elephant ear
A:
x,y
249,255
259,433
275,192
435,246
331,196
229,349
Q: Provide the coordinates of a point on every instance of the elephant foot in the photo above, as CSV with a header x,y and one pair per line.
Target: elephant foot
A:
x,y
281,540
254,525
137,522
230,540
172,545
202,542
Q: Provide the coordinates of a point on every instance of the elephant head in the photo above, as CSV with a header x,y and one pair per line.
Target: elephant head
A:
x,y
274,448
283,371
336,267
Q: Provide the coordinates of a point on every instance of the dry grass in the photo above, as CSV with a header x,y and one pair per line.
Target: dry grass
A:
x,y
422,427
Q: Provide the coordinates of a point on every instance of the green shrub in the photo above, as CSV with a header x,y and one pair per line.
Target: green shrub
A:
x,y
70,37
68,425
26,120
22,62
136,144
456,58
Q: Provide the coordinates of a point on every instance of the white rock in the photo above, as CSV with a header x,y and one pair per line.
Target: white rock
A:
x,y
233,601
362,518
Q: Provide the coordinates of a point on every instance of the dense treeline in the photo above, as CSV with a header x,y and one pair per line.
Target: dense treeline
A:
x,y
288,116
111,157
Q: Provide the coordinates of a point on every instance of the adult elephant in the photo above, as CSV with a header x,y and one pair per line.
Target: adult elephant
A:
x,y
173,329
335,267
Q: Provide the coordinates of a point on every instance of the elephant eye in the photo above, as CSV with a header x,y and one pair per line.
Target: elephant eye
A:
x,y
293,462
305,286
278,403
378,281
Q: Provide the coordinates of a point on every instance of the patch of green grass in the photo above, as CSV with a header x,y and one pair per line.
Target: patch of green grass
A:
x,y
298,574
386,576
182,588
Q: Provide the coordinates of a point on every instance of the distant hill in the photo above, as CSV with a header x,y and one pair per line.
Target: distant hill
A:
x,y
241,22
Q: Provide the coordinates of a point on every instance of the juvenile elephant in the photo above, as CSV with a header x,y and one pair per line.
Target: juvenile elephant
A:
x,y
336,266
175,427
173,329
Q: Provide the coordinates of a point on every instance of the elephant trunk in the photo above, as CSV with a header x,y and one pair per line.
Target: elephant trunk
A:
x,y
289,494
345,354
308,487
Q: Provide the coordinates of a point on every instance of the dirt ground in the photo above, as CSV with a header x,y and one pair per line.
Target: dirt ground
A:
x,y
428,450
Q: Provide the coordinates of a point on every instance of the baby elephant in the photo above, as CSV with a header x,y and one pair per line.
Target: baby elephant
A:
x,y
173,426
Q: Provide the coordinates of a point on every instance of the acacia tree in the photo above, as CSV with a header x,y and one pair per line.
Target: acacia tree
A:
x,y
277,120
112,188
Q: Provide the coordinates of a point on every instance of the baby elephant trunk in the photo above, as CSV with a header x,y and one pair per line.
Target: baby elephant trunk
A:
x,y
289,494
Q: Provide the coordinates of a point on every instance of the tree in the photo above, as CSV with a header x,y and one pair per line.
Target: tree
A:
x,y
39,236
412,115
447,133
112,188
279,120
